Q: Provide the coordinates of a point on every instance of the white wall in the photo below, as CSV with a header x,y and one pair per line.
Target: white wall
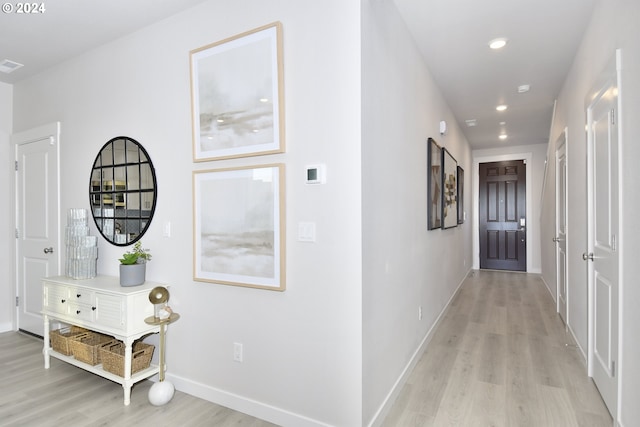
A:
x,y
404,265
7,239
613,26
302,348
535,170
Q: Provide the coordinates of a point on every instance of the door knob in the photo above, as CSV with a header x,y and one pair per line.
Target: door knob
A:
x,y
48,250
556,239
587,256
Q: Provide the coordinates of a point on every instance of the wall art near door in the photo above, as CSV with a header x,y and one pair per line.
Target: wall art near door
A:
x,y
239,226
237,98
434,185
450,190
460,195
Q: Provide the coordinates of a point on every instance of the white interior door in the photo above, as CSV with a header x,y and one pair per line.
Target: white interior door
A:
x,y
603,255
561,226
37,220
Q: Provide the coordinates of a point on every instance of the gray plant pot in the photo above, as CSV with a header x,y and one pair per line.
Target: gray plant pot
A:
x,y
132,275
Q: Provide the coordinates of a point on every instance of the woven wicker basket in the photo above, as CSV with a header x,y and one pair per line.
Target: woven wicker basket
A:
x,y
112,355
60,338
85,347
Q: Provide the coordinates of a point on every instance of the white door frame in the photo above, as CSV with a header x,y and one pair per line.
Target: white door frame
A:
x,y
476,203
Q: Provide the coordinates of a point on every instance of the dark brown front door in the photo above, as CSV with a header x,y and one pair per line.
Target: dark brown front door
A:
x,y
503,237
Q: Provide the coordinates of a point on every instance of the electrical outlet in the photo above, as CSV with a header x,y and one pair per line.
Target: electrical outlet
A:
x,y
237,351
419,312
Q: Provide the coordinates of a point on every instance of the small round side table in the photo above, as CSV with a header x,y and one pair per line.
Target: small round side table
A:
x,y
161,392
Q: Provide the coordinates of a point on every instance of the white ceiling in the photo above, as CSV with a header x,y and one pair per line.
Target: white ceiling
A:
x,y
543,36
452,35
68,28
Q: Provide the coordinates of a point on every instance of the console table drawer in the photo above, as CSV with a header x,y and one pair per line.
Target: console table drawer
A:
x,y
81,295
82,312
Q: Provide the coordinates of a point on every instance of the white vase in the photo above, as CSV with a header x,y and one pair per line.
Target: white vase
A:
x,y
132,275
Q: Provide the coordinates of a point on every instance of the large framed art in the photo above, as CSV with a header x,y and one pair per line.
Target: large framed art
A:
x,y
434,185
449,190
239,226
237,98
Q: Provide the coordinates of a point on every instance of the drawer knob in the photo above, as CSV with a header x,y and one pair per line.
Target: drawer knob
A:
x,y
63,301
77,311
93,308
78,295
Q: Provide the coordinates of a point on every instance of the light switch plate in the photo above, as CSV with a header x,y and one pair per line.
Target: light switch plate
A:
x,y
307,231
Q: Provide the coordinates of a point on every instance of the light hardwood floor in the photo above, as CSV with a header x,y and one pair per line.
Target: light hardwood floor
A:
x,y
67,396
500,357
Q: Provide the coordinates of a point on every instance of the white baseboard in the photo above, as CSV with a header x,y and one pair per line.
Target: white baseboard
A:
x,y
6,327
243,404
283,417
546,285
388,402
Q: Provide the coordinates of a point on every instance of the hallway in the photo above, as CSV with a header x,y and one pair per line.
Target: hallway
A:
x,y
500,357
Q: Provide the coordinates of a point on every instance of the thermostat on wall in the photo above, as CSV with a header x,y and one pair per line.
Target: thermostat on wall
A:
x,y
316,174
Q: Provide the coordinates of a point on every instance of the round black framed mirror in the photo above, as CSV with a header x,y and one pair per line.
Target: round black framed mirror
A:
x,y
122,191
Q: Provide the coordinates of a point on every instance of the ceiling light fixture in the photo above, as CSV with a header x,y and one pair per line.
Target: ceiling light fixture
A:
x,y
524,88
503,136
8,66
498,43
471,122
501,107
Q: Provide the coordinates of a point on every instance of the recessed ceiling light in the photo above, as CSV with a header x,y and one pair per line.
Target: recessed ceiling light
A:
x,y
523,88
8,66
503,136
501,107
498,43
471,122
503,123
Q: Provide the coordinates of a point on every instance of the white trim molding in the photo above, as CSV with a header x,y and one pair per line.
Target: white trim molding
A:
x,y
527,157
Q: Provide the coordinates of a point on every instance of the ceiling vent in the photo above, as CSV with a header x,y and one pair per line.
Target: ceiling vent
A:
x,y
8,66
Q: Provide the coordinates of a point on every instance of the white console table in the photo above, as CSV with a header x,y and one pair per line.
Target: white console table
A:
x,y
102,305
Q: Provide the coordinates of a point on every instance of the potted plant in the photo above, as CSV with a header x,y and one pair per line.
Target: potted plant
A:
x,y
133,265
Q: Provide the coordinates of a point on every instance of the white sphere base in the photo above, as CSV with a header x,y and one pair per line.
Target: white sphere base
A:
x,y
161,393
